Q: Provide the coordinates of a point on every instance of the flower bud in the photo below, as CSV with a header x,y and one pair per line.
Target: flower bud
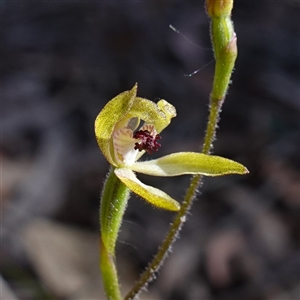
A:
x,y
219,8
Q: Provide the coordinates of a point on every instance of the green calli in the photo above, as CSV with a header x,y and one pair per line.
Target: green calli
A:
x,y
116,129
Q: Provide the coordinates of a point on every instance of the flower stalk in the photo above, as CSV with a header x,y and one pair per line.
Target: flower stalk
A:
x,y
224,43
115,196
109,273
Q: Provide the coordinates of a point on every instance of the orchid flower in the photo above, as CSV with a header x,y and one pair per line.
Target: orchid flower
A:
x,y
128,126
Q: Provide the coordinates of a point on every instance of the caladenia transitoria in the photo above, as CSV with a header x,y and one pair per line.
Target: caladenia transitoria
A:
x,y
129,126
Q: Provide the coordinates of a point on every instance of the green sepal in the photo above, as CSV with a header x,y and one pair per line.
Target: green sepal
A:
x,y
189,163
151,194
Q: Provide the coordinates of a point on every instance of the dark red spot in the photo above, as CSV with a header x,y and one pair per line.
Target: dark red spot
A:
x,y
147,141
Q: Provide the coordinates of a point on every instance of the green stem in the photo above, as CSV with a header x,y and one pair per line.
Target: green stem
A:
x,y
224,44
113,204
109,274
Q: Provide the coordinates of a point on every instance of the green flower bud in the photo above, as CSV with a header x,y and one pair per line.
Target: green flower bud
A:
x,y
219,8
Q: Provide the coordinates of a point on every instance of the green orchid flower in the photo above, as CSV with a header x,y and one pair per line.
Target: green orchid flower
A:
x,y
123,139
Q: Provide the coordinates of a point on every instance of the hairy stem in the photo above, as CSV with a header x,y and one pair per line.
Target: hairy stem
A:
x,y
224,44
113,204
109,274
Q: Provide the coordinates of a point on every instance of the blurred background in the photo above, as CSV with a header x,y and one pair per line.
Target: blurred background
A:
x,y
61,62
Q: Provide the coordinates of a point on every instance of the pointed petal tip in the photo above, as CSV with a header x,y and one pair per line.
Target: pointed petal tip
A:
x,y
174,206
177,207
246,171
134,88
240,169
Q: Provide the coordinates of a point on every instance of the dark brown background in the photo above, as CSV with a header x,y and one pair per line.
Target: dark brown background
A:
x,y
62,61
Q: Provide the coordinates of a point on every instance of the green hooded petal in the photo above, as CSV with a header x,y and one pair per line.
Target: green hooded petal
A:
x,y
159,114
154,196
189,163
112,113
